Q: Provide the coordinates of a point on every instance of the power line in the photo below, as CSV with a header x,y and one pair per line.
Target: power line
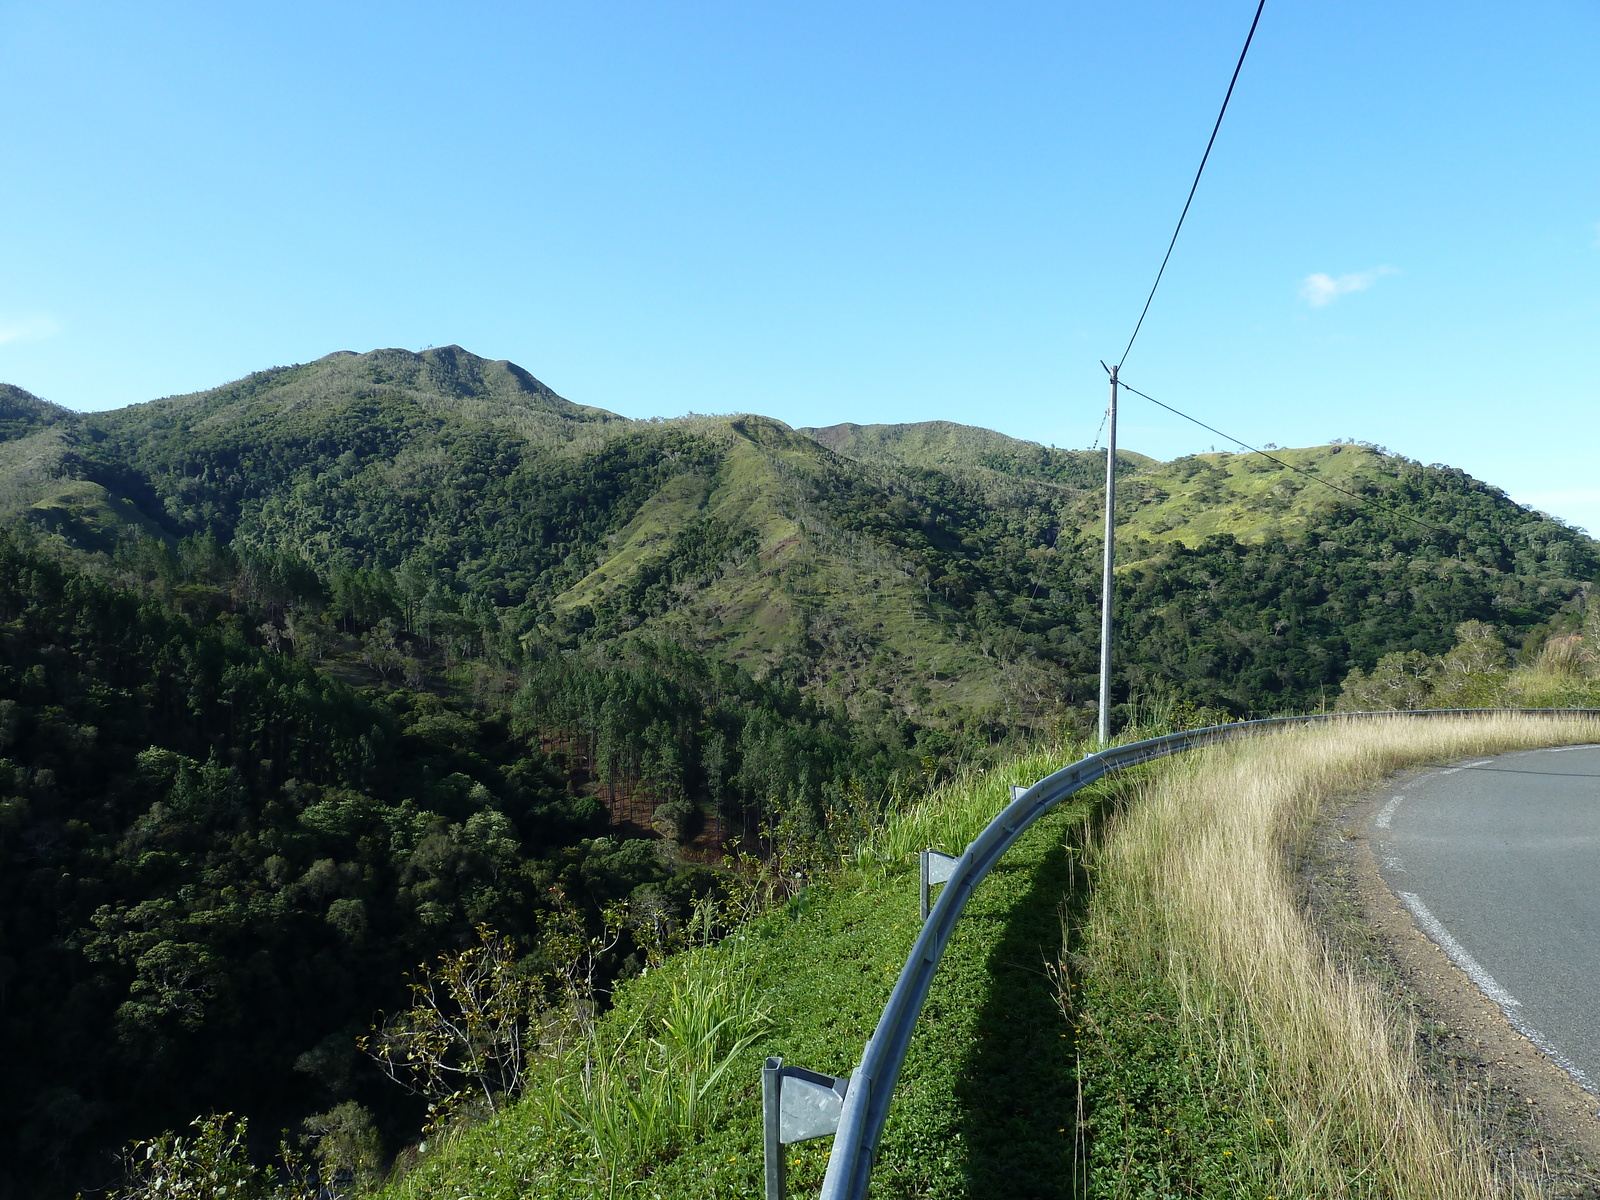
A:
x,y
1288,465
1196,184
1095,445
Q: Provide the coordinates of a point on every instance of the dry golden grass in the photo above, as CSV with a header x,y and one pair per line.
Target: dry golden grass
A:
x,y
1194,888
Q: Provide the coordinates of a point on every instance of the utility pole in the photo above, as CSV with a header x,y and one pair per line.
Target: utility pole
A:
x,y
1105,575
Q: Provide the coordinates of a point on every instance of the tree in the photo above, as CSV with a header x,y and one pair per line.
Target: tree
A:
x,y
1401,681
470,1033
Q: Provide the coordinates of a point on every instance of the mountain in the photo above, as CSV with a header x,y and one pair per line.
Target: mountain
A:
x,y
935,572
305,676
968,449
572,522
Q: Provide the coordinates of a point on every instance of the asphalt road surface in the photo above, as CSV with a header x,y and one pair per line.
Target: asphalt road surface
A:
x,y
1499,861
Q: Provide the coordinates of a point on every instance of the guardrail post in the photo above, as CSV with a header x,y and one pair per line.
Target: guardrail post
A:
x,y
796,1106
936,868
771,1116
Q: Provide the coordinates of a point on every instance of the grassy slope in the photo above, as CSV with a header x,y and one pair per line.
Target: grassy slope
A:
x,y
76,514
1187,500
978,1109
806,584
945,445
1245,495
1224,1053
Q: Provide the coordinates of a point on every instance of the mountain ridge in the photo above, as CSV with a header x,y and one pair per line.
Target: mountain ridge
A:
x,y
942,572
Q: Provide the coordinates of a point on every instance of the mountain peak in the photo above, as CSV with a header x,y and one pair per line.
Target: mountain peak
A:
x,y
447,376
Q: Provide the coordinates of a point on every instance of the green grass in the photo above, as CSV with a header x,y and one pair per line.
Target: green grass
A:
x,y
979,1110
1240,494
1160,1119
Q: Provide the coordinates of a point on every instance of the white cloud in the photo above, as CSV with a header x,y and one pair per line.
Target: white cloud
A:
x,y
1319,289
25,329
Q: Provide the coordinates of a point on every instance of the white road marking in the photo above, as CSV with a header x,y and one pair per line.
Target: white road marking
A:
x,y
1381,821
1483,762
1434,928
1489,986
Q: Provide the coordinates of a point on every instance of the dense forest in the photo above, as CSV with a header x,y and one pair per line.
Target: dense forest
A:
x,y
219,862
306,678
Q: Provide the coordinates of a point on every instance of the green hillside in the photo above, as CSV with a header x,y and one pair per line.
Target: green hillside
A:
x,y
22,413
39,443
933,573
946,446
304,677
1248,496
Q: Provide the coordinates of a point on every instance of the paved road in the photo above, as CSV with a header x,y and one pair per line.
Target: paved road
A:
x,y
1499,861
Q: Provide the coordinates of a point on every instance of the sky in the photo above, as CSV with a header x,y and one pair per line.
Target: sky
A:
x,y
824,212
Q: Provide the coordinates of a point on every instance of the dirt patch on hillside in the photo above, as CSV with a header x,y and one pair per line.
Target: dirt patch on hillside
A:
x,y
1532,1114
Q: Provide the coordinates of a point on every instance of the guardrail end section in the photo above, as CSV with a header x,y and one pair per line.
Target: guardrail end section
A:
x,y
1018,790
796,1106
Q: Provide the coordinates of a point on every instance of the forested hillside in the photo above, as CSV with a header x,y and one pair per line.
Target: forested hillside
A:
x,y
22,413
1248,586
217,863
305,677
937,574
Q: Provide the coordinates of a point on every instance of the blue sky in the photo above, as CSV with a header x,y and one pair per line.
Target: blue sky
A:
x,y
829,212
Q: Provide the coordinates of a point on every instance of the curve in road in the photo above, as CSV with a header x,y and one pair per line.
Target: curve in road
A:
x,y
1498,860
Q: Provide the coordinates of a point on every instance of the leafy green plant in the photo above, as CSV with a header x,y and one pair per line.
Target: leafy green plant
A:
x,y
346,1147
212,1162
470,1032
1477,672
648,1088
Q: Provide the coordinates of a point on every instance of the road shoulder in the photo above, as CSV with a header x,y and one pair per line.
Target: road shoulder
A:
x,y
1531,1113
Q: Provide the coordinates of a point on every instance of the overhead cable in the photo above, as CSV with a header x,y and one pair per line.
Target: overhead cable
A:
x,y
1192,187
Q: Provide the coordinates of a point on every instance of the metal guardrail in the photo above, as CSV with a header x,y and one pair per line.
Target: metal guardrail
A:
x,y
857,1123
